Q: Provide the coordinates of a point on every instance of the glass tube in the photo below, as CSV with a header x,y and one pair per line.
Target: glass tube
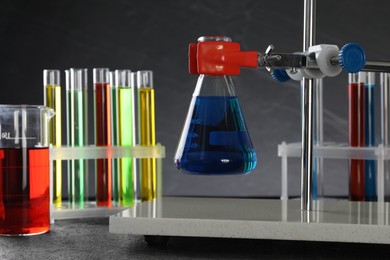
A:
x,y
125,115
136,136
115,141
385,128
369,131
318,136
146,133
356,134
52,99
76,90
102,116
86,134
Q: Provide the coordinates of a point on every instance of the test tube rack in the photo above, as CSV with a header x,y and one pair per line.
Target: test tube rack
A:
x,y
89,209
378,153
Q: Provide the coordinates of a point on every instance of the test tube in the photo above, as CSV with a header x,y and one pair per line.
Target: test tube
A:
x,y
146,133
318,136
136,136
385,129
369,138
52,99
125,113
76,92
86,133
115,141
102,115
356,126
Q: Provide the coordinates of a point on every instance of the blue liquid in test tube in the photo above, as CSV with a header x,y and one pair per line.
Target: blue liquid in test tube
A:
x,y
318,138
370,165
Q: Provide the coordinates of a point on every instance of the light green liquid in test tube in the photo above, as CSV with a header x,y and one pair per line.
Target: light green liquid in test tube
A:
x,y
125,115
76,90
52,99
114,129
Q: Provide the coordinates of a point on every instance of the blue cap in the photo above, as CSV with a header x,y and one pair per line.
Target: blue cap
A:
x,y
352,57
280,75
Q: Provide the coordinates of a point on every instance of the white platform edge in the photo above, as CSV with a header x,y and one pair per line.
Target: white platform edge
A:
x,y
250,229
96,212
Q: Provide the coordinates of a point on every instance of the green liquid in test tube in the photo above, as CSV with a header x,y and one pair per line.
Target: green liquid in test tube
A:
x,y
125,116
114,130
76,90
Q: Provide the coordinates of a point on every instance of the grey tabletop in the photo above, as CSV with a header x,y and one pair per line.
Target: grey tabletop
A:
x,y
90,239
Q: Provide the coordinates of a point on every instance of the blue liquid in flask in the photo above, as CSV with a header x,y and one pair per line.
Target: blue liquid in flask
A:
x,y
217,140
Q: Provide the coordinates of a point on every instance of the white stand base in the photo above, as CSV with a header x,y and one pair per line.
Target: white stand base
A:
x,y
89,210
332,220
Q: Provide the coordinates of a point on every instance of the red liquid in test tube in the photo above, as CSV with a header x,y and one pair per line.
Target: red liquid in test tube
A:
x,y
356,100
102,98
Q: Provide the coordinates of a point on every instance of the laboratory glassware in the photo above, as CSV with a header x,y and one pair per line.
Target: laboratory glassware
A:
x,y
115,141
52,99
76,96
369,134
24,169
318,136
147,134
385,128
125,135
356,125
215,139
136,136
102,115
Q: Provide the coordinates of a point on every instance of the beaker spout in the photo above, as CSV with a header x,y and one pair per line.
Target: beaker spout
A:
x,y
50,113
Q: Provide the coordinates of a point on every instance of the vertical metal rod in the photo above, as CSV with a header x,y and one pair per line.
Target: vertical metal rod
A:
x,y
307,111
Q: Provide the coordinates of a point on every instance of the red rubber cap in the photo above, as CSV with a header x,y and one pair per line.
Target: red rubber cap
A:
x,y
192,60
219,58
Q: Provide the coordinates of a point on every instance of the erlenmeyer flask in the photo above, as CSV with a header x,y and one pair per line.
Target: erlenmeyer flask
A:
x,y
215,139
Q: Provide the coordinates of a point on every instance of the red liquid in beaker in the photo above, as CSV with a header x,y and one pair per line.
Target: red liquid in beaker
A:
x,y
24,191
103,138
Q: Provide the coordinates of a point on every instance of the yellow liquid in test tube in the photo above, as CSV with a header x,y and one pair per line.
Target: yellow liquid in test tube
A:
x,y
147,138
53,100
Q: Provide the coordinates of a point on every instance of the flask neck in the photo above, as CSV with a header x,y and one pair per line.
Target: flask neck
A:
x,y
214,86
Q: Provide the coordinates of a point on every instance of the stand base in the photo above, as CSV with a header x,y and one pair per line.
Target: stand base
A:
x,y
332,220
89,210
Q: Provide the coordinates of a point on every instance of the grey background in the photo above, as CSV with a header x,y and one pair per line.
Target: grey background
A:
x,y
37,35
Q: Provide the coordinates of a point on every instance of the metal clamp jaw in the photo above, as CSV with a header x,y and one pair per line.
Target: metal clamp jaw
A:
x,y
225,58
320,61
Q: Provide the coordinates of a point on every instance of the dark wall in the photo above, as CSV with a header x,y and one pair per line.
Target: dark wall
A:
x,y
37,35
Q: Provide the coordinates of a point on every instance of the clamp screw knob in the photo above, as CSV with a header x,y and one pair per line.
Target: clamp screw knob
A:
x,y
280,75
352,57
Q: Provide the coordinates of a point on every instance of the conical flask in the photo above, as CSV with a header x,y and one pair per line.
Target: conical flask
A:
x,y
215,139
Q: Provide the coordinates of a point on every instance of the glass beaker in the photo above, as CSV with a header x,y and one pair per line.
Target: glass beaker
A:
x,y
24,169
215,138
